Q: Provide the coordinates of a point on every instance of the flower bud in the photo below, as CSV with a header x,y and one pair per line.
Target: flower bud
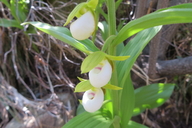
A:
x,y
93,99
101,74
83,27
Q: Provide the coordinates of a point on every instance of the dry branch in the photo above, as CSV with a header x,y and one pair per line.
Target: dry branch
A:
x,y
154,46
175,67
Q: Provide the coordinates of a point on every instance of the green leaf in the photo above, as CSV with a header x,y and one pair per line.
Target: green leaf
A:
x,y
116,122
89,44
172,15
127,101
133,48
151,96
19,10
6,3
108,105
75,12
119,48
133,124
83,86
98,119
180,6
103,26
92,61
117,3
110,86
117,58
10,23
80,109
64,35
108,42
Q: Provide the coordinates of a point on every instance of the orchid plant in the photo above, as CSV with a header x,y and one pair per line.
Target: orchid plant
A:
x,y
110,100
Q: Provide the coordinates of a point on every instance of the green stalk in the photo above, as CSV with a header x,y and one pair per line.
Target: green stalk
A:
x,y
112,51
111,17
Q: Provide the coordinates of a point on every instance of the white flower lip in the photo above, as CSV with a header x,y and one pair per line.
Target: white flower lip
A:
x,y
93,100
83,27
101,74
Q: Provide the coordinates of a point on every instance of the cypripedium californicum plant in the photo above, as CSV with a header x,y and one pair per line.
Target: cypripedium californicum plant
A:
x,y
110,86
85,24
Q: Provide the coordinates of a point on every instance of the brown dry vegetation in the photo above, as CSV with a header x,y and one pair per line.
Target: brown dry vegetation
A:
x,y
38,72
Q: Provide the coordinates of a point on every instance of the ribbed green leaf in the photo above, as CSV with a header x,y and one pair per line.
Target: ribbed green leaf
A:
x,y
19,10
90,120
127,101
108,42
79,109
10,23
6,3
151,96
104,29
172,15
64,35
133,124
133,48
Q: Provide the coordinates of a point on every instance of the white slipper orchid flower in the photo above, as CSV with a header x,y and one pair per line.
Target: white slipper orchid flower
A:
x,y
83,27
93,99
101,74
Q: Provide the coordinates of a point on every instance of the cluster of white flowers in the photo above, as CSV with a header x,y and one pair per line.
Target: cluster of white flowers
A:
x,y
99,77
82,28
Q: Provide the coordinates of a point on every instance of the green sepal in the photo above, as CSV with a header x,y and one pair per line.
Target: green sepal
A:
x,y
92,61
77,12
83,86
110,86
92,4
117,58
80,101
81,79
80,9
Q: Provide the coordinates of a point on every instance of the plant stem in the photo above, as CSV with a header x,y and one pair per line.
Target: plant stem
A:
x,y
111,17
112,51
